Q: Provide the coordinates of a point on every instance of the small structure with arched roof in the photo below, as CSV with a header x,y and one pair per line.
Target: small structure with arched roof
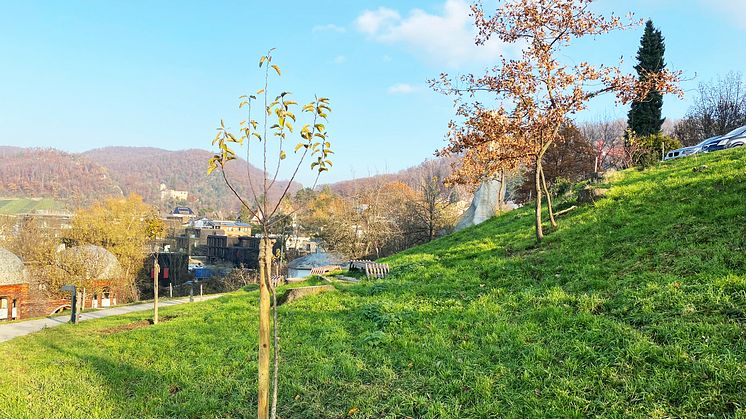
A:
x,y
14,286
97,271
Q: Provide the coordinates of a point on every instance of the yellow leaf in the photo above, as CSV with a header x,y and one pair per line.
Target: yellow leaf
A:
x,y
277,69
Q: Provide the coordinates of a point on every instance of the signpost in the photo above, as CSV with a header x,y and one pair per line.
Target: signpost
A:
x,y
73,306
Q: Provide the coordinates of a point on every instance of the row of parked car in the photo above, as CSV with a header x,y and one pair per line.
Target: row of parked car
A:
x,y
735,138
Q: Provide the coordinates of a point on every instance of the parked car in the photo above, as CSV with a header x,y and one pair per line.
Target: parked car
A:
x,y
735,138
688,151
712,140
680,152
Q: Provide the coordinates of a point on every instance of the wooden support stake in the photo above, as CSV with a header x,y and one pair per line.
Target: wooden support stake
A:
x,y
156,272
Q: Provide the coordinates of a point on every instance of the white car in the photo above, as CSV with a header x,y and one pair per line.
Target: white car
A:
x,y
688,151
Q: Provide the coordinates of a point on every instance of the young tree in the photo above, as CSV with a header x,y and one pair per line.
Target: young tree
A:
x,y
536,93
271,135
644,117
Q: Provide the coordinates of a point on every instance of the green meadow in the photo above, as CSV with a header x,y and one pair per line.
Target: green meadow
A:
x,y
633,307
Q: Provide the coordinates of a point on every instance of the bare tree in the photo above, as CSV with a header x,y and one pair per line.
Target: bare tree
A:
x,y
606,135
720,106
431,204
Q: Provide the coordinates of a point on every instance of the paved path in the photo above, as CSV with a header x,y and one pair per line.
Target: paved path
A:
x,y
13,330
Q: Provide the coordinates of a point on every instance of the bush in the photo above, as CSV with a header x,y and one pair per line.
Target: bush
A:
x,y
648,150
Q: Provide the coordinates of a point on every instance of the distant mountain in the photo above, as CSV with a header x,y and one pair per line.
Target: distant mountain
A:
x,y
411,176
143,169
79,179
49,173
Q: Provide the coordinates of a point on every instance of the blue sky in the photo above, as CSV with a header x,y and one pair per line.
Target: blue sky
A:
x,y
77,75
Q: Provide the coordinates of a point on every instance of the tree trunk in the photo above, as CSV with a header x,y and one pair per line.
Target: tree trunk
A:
x,y
264,325
549,199
537,189
276,341
501,192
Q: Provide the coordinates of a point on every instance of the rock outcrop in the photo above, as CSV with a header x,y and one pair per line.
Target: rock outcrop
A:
x,y
483,206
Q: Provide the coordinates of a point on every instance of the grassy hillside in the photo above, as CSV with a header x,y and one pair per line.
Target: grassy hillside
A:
x,y
634,307
27,205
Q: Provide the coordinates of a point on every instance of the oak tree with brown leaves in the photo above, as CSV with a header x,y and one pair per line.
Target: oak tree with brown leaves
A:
x,y
535,93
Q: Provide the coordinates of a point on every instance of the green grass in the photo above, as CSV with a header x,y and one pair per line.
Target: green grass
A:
x,y
15,206
634,307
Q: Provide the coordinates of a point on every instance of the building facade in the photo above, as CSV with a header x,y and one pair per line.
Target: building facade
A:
x,y
14,287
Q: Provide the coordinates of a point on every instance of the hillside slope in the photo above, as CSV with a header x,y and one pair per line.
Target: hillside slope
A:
x,y
633,307
143,169
79,179
50,173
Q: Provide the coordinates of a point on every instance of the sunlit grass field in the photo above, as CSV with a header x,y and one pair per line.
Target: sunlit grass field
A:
x,y
633,307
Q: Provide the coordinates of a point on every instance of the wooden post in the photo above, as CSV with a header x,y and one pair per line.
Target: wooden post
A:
x,y
82,302
200,290
156,272
74,306
171,290
265,256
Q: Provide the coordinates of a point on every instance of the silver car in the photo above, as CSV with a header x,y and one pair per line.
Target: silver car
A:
x,y
688,151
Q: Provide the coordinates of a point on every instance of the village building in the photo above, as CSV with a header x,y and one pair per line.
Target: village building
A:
x,y
300,245
196,233
182,215
171,194
14,287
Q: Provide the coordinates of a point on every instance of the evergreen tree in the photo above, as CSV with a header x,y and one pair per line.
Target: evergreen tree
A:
x,y
644,118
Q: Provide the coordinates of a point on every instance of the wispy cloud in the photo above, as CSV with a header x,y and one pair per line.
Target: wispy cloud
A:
x,y
446,38
402,88
340,59
330,27
735,10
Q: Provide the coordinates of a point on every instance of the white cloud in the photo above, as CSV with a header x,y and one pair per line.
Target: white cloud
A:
x,y
401,88
330,27
446,38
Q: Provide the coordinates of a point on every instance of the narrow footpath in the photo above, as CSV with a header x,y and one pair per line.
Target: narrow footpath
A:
x,y
21,328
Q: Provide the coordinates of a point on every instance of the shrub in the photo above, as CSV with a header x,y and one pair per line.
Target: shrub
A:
x,y
650,149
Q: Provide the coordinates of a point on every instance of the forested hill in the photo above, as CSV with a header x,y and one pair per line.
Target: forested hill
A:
x,y
412,176
78,179
49,173
143,169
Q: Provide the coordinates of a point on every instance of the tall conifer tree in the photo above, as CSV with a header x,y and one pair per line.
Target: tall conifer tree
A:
x,y
644,118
